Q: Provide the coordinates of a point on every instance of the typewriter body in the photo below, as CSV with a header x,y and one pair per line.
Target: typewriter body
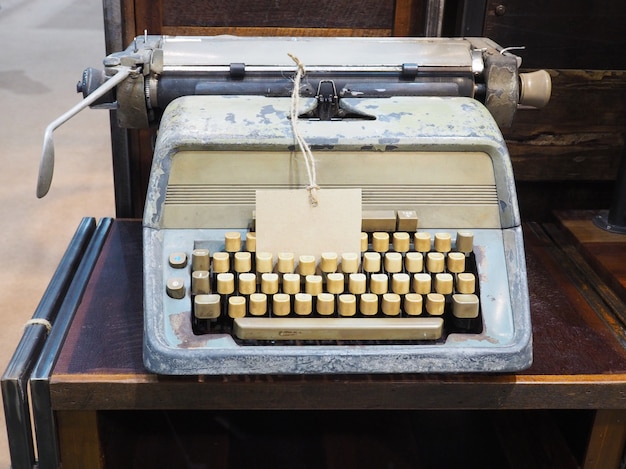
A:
x,y
439,280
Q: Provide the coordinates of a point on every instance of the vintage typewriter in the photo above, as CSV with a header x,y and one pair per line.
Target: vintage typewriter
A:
x,y
431,279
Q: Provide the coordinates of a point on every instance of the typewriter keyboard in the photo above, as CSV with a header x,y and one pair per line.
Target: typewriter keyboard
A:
x,y
402,286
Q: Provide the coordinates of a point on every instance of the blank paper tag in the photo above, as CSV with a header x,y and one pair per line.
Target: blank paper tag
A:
x,y
287,222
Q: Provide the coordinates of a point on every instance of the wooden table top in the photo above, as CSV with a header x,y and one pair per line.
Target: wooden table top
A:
x,y
579,357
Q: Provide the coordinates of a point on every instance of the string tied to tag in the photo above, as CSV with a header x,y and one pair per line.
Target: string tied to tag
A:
x,y
307,154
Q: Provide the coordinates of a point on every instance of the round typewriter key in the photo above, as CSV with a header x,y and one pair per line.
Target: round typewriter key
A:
x,y
232,241
421,283
421,241
349,262
380,241
401,241
371,262
357,284
443,284
286,262
379,284
435,304
325,304
269,283
264,262
368,304
335,283
206,306
247,283
221,262
400,283
258,304
281,304
465,241
414,262
236,307
291,283
393,262
346,305
413,304
391,304
200,282
328,262
465,306
435,262
456,262
175,288
178,260
251,241
243,261
466,283
313,284
225,283
306,265
303,304
200,259
364,242
443,242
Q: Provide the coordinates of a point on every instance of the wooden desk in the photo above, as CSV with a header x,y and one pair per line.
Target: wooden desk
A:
x,y
104,399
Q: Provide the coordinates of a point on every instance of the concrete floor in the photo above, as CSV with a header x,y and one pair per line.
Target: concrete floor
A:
x,y
44,48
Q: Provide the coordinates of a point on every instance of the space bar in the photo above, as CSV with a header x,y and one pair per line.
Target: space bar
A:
x,y
263,328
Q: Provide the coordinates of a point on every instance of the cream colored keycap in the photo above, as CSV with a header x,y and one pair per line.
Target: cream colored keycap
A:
x,y
407,220
400,283
325,304
393,262
435,262
286,262
269,283
379,283
456,262
303,304
221,262
421,241
364,242
200,284
335,283
401,241
380,241
390,304
465,306
346,305
232,241
258,304
251,241
243,261
329,262
264,262
349,262
306,265
313,284
413,304
443,242
291,284
435,304
414,262
464,241
225,283
368,304
236,307
422,283
175,288
247,283
178,260
371,262
200,259
281,304
443,284
357,284
206,306
466,283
